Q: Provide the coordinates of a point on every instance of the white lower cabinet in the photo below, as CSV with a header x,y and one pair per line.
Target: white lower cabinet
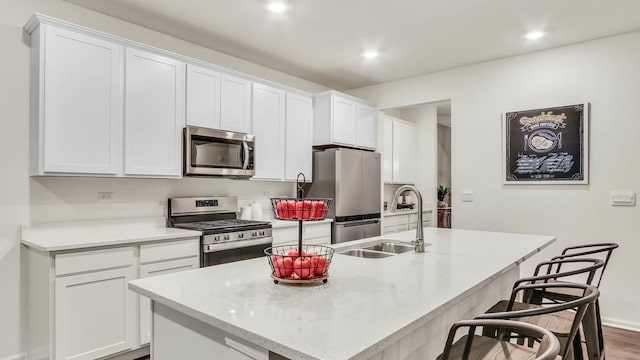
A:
x,y
80,306
313,234
94,314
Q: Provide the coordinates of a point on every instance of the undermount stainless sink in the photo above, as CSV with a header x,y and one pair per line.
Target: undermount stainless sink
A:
x,y
365,253
393,247
380,249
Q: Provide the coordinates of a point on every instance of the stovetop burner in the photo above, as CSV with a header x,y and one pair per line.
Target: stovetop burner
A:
x,y
222,226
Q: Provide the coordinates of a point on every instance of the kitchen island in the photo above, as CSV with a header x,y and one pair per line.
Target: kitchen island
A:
x,y
398,307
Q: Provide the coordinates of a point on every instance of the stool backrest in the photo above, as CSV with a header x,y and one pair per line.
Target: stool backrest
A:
x,y
549,344
600,250
551,271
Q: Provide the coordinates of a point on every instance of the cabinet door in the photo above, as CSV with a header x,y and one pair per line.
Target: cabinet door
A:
x,y
298,137
154,108
94,314
345,126
144,304
366,126
387,151
203,97
268,127
235,104
81,104
404,153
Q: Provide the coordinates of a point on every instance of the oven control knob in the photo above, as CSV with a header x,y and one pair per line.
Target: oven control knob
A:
x,y
216,238
255,233
262,233
241,235
226,237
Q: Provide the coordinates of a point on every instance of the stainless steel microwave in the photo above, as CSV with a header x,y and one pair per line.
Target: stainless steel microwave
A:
x,y
209,152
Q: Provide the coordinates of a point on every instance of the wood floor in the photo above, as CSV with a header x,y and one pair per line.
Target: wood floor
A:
x,y
619,344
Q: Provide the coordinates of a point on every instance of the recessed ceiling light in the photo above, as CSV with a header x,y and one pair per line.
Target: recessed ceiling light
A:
x,y
534,35
371,54
277,7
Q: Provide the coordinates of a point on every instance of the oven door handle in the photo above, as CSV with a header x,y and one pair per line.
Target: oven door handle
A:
x,y
245,155
207,248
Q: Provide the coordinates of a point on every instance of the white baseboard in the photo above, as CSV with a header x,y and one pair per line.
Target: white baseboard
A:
x,y
22,356
626,325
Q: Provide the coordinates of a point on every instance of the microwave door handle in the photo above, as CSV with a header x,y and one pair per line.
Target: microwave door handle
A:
x,y
245,155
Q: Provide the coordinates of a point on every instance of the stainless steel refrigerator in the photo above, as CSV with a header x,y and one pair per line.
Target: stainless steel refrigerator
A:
x,y
352,178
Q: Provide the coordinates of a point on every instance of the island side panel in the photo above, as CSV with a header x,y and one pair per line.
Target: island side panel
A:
x,y
427,341
179,336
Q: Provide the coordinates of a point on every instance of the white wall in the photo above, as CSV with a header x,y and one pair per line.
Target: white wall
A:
x,y
606,73
24,200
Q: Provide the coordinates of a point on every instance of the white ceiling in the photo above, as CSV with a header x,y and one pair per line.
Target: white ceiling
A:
x,y
322,40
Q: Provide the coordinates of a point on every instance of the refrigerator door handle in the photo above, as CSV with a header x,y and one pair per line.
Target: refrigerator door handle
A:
x,y
358,223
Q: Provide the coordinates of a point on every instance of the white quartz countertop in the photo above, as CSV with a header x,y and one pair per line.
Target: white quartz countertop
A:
x,y
89,234
281,224
366,305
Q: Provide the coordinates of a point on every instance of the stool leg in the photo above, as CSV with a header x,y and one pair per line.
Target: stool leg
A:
x,y
599,327
591,332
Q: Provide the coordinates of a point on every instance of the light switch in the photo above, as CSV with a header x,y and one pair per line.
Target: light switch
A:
x,y
467,196
623,198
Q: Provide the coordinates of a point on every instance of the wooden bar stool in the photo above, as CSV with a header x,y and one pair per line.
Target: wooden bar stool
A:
x,y
563,319
476,347
548,272
603,251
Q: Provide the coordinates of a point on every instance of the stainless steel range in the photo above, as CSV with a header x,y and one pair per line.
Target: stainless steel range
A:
x,y
224,238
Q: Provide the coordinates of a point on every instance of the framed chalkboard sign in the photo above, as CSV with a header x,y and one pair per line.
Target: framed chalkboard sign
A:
x,y
547,146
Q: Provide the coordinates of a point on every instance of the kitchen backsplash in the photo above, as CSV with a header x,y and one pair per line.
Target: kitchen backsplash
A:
x,y
55,199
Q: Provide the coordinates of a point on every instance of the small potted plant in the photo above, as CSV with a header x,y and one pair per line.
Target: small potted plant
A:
x,y
442,192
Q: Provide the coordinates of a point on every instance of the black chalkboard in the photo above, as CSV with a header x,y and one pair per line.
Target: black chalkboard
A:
x,y
547,145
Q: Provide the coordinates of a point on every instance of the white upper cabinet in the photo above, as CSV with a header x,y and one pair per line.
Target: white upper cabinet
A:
x,y
75,102
387,150
399,151
154,108
107,106
298,138
345,125
269,130
340,119
235,104
366,126
203,97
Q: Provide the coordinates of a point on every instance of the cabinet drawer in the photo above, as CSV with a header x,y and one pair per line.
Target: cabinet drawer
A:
x,y
396,220
317,230
284,236
169,250
395,228
85,261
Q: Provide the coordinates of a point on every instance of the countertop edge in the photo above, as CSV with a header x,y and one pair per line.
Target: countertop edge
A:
x,y
177,235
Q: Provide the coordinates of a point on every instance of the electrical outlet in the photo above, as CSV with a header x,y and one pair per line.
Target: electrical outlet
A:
x,y
106,196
